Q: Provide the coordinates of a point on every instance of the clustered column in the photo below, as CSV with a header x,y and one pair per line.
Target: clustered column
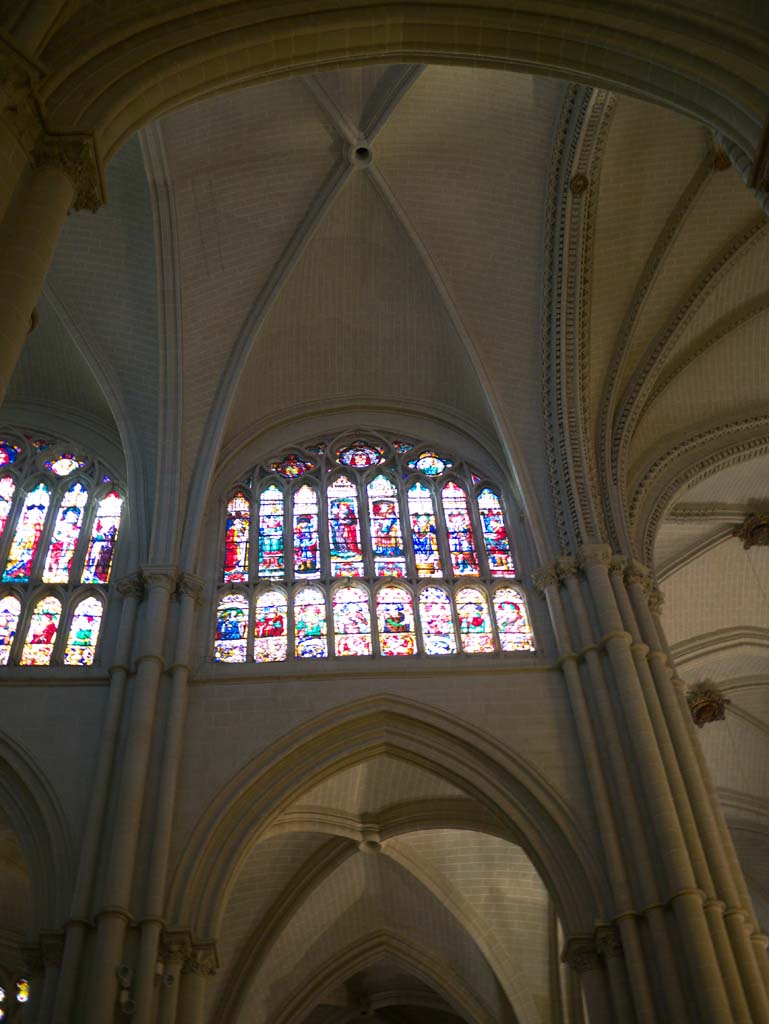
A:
x,y
685,947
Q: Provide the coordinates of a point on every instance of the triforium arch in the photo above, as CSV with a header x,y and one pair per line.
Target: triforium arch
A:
x,y
511,791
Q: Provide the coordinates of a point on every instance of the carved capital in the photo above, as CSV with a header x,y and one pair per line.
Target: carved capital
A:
x,y
581,954
706,704
608,942
753,531
202,959
164,576
190,585
75,155
565,567
131,586
618,564
545,577
594,554
175,947
656,600
636,572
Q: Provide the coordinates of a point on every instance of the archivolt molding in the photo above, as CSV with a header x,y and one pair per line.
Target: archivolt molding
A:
x,y
37,817
510,788
570,221
697,647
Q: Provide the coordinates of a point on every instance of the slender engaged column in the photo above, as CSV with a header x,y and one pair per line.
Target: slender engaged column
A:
x,y
176,950
582,956
192,994
609,946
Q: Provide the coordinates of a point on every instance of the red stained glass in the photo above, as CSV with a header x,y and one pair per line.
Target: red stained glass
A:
x,y
41,635
424,531
310,630
65,535
236,539
385,525
474,621
344,529
495,534
231,627
106,524
306,546
352,621
10,607
436,621
395,621
270,626
291,467
271,541
360,455
65,464
464,560
84,632
7,490
512,622
28,532
8,453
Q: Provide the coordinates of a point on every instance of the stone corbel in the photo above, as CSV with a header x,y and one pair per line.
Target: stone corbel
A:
x,y
202,958
175,947
608,941
565,567
190,585
753,531
131,586
545,577
656,600
706,704
76,155
636,572
581,954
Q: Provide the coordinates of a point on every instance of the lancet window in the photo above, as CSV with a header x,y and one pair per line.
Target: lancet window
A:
x,y
366,547
60,515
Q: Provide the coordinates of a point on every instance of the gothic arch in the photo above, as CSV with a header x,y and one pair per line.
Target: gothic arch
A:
x,y
36,815
526,806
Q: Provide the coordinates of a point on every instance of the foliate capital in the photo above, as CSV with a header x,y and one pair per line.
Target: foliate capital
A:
x,y
202,959
565,567
175,947
608,942
76,155
594,554
163,576
618,564
636,572
131,586
545,577
656,600
706,703
190,585
581,954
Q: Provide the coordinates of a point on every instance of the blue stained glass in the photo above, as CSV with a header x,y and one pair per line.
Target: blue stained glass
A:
x,y
65,464
98,559
236,539
83,632
386,536
430,464
271,541
7,490
360,455
27,537
424,532
474,621
8,453
352,621
306,547
10,607
310,629
395,619
291,467
65,535
344,529
270,626
436,621
464,560
512,623
231,626
495,534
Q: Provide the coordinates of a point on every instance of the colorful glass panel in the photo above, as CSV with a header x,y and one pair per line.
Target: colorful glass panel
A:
x,y
424,531
512,622
344,528
352,621
41,635
84,632
66,531
8,453
395,619
22,991
40,443
464,560
402,447
474,621
231,628
385,525
27,536
475,478
65,464
317,449
495,534
270,626
291,467
430,463
7,490
360,455
436,621
271,540
236,532
10,607
310,624
101,548
306,546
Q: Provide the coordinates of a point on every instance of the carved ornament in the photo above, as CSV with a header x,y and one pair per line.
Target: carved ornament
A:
x,y
706,704
636,572
190,585
579,184
656,600
594,554
565,567
175,947
754,531
581,955
76,155
202,959
608,941
545,577
131,586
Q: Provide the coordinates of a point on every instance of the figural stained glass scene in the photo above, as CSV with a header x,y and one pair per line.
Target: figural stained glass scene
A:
x,y
367,546
60,516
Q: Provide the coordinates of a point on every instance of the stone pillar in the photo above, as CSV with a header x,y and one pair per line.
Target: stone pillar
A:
x,y
175,951
188,592
63,172
582,956
114,916
201,963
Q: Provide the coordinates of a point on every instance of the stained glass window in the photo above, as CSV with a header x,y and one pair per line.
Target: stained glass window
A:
x,y
402,446
310,623
27,536
65,534
271,626
352,621
512,623
474,621
436,621
395,621
424,531
41,635
7,489
430,463
360,455
385,526
83,632
344,528
8,453
98,560
10,607
495,534
65,464
292,466
22,990
231,628
306,546
236,539
271,541
464,560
